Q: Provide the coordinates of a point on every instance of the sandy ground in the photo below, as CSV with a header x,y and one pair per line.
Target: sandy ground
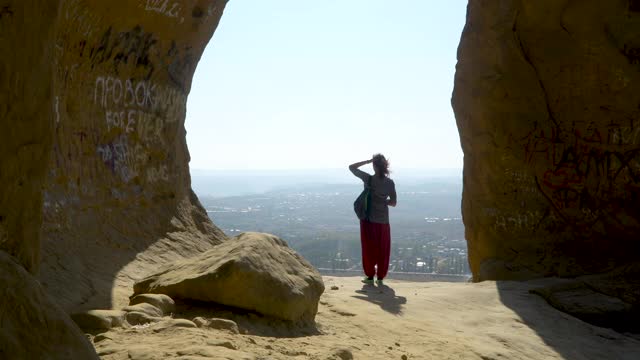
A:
x,y
426,320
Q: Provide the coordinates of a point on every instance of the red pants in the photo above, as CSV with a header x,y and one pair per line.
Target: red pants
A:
x,y
376,248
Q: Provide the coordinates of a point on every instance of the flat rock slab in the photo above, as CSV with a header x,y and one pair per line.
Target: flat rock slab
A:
x,y
622,282
215,353
99,319
173,323
144,308
253,271
487,320
580,300
216,323
138,318
161,301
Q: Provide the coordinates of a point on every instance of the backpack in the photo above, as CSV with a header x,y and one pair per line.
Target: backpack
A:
x,y
362,205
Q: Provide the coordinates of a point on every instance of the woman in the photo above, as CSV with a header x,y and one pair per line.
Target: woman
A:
x,y
375,233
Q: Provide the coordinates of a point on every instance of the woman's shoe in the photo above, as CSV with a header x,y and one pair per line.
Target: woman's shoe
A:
x,y
379,282
368,280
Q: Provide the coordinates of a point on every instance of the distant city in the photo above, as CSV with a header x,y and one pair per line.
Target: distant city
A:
x,y
317,220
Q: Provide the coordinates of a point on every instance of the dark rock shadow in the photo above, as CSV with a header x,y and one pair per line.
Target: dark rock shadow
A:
x,y
249,322
383,296
83,265
579,299
568,336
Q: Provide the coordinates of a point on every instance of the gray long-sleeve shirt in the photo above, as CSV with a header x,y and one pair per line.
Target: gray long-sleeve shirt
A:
x,y
382,189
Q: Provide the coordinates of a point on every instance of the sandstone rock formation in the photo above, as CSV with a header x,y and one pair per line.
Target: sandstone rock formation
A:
x,y
93,155
577,299
33,326
145,309
26,92
92,110
252,271
609,300
486,320
546,100
219,324
138,318
118,200
160,301
92,106
96,320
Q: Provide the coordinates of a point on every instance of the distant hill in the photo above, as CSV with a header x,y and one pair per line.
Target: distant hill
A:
x,y
223,183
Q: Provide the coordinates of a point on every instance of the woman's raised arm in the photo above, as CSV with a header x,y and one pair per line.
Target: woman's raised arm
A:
x,y
359,173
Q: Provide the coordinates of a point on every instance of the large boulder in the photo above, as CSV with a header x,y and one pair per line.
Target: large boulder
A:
x,y
546,101
252,271
33,326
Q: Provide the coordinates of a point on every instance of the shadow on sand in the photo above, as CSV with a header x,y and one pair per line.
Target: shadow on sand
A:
x,y
249,322
570,337
383,296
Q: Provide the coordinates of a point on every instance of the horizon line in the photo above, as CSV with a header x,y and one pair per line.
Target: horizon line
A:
x,y
322,168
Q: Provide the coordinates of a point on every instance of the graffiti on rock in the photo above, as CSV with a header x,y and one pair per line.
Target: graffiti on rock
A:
x,y
588,168
133,47
167,8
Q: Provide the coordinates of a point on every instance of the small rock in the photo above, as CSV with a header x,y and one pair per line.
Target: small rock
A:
x,y
398,344
222,343
139,318
203,352
224,324
98,319
200,321
144,308
101,337
182,323
140,352
343,354
161,301
109,350
403,357
216,323
335,288
173,323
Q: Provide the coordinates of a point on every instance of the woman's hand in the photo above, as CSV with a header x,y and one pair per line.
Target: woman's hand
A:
x,y
360,163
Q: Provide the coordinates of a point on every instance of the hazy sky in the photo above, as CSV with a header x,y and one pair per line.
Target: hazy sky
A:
x,y
299,84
